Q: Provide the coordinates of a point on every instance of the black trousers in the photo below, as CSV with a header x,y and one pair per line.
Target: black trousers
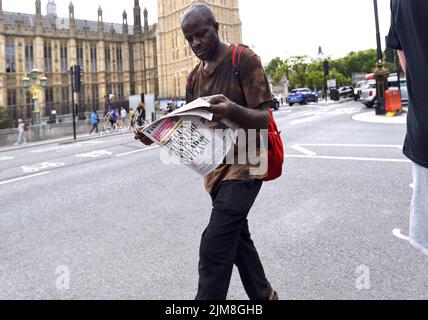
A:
x,y
227,241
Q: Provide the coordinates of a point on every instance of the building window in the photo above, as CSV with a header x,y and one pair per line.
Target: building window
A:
x,y
65,100
94,59
11,98
64,58
80,58
120,91
108,59
49,100
29,56
119,61
47,50
10,58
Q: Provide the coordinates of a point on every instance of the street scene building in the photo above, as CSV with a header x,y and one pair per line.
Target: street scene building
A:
x,y
117,59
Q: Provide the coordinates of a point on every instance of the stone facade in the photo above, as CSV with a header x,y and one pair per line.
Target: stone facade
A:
x,y
175,58
118,59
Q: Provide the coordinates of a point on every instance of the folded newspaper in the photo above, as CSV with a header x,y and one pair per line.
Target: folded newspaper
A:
x,y
187,138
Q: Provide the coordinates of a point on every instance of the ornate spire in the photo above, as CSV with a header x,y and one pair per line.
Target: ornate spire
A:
x,y
137,17
38,7
125,17
100,14
71,11
146,20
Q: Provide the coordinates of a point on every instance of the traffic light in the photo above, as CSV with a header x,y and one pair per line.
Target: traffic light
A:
x,y
326,68
77,78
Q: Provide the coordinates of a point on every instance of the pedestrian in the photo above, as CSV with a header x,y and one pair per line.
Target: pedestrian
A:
x,y
95,121
131,119
408,34
140,114
21,133
233,189
123,115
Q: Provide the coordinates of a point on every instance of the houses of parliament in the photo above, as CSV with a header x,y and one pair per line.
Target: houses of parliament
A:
x,y
117,59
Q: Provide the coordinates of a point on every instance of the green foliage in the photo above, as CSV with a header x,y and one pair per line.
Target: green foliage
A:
x,y
304,72
5,120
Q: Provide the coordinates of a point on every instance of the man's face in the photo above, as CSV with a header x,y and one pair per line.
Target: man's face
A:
x,y
201,35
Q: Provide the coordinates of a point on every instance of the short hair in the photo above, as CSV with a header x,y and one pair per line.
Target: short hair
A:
x,y
203,9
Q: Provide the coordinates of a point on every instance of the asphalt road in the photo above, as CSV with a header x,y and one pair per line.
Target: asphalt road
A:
x,y
105,219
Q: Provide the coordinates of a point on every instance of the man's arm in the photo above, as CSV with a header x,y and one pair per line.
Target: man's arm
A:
x,y
403,60
245,118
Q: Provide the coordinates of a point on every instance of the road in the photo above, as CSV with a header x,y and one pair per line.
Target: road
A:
x,y
105,219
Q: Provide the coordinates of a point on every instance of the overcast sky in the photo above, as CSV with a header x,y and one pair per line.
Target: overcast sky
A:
x,y
273,27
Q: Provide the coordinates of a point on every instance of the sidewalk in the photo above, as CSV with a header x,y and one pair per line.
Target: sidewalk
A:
x,y
371,117
63,140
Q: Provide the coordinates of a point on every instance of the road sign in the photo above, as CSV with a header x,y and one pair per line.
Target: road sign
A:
x,y
331,83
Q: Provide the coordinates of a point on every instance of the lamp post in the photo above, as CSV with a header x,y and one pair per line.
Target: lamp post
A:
x,y
35,84
381,73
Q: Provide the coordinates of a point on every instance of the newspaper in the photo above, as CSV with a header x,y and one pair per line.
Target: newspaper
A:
x,y
186,137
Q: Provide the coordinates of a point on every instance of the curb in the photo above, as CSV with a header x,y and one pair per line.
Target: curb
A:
x,y
371,117
59,141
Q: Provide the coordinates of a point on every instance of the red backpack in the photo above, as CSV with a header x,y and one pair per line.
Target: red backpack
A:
x,y
276,146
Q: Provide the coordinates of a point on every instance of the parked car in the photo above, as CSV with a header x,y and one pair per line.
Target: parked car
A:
x,y
369,95
358,88
275,103
346,92
302,96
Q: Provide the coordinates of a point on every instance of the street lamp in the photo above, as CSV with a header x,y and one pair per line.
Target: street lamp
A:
x,y
381,73
35,88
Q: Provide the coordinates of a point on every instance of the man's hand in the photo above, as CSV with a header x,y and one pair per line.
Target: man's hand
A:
x,y
221,107
143,138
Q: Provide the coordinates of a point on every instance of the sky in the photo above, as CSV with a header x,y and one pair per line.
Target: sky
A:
x,y
278,28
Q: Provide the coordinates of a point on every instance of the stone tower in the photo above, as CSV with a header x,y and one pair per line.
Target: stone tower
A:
x,y
175,59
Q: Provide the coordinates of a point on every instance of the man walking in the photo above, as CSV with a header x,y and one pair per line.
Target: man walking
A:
x,y
233,189
408,34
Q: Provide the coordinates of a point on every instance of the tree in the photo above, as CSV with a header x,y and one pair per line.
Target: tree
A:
x,y
5,120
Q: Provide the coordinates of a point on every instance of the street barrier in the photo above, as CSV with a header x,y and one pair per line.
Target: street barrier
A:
x,y
393,104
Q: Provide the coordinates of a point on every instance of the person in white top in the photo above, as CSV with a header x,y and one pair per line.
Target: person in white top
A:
x,y
21,133
123,115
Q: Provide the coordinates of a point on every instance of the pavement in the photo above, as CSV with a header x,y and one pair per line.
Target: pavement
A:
x,y
63,140
106,219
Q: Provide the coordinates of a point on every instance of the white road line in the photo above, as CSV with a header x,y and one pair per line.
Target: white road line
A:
x,y
349,158
25,178
136,151
348,145
6,158
303,150
397,233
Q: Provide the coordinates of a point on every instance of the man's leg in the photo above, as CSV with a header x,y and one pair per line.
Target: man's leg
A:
x,y
250,268
232,202
419,210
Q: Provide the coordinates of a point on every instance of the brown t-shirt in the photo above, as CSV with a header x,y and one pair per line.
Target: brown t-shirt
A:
x,y
222,81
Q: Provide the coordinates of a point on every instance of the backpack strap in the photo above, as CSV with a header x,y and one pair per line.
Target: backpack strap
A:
x,y
236,62
191,81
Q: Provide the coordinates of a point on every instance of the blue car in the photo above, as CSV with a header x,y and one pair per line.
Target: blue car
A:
x,y
302,96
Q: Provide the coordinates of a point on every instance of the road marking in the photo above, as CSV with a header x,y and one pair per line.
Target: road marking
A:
x,y
397,233
303,150
95,154
6,158
24,178
348,145
349,158
309,119
136,151
41,166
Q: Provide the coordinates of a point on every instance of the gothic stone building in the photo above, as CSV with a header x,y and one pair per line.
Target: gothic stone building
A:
x,y
117,59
